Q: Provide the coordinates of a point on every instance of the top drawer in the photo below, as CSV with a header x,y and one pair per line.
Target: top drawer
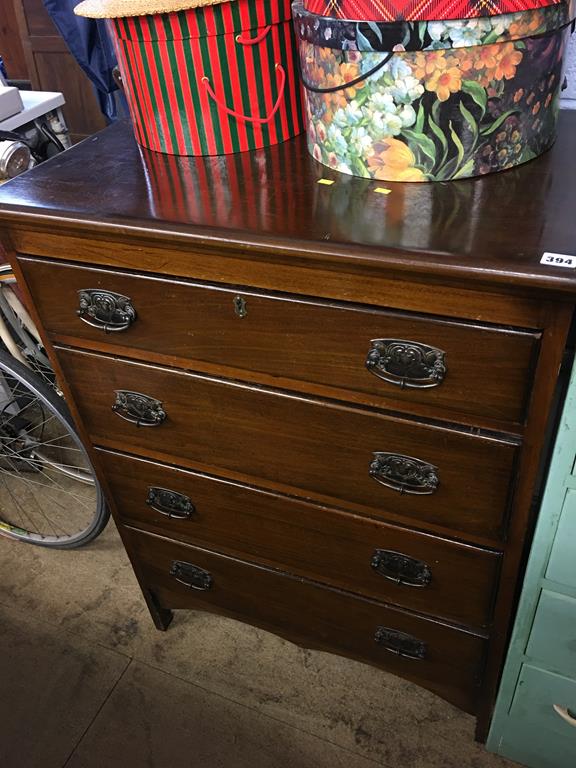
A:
x,y
455,367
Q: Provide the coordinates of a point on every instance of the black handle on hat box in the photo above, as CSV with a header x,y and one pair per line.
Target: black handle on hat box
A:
x,y
350,84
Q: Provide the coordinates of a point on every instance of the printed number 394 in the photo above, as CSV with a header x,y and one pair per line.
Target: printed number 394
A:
x,y
558,260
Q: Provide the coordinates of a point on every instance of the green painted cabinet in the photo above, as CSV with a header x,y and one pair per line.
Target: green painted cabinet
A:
x,y
535,717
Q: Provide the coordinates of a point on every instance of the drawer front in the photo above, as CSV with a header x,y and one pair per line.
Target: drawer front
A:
x,y
447,660
414,570
536,734
299,445
482,371
552,639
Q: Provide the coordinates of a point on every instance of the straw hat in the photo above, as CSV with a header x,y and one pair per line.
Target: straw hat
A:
x,y
115,9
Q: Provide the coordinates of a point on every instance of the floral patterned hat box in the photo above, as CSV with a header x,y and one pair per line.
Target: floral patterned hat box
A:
x,y
210,80
432,100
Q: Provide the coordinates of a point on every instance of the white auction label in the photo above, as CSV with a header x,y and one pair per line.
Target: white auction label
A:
x,y
558,260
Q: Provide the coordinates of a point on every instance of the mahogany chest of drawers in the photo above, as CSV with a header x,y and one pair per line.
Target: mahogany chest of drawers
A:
x,y
316,408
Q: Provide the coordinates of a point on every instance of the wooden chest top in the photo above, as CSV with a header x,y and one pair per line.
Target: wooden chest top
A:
x,y
490,230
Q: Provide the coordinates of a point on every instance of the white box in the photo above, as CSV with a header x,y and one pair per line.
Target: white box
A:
x,y
10,102
36,104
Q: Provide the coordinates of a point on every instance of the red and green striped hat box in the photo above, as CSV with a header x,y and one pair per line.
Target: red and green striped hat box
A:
x,y
213,80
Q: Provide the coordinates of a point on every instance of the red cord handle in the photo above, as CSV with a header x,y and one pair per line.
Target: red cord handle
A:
x,y
254,40
246,118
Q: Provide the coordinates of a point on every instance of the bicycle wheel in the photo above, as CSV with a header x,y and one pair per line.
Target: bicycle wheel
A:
x,y
49,494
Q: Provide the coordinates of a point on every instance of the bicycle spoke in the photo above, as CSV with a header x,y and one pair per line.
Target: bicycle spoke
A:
x,y
13,401
31,487
15,501
57,465
18,416
43,485
8,490
52,442
73,471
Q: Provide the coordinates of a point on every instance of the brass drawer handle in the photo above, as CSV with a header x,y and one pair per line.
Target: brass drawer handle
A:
x,y
406,363
401,568
401,644
105,310
566,714
170,503
191,575
142,410
404,473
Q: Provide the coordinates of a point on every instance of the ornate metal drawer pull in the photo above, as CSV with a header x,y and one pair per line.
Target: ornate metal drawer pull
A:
x,y
406,363
403,473
191,575
401,644
170,503
105,310
142,410
401,568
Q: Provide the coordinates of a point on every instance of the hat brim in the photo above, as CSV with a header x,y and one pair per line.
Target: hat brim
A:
x,y
116,9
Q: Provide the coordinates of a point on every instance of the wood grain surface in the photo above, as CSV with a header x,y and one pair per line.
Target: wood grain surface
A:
x,y
312,447
488,368
316,617
325,545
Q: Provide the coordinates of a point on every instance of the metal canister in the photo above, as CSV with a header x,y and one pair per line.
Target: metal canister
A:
x,y
15,158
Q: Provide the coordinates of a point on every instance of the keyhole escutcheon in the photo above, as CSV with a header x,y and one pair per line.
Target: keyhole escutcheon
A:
x,y
240,306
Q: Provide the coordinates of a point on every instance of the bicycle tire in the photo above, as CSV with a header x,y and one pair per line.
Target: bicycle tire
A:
x,y
13,370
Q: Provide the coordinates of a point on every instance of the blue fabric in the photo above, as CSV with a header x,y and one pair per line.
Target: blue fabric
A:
x,y
90,45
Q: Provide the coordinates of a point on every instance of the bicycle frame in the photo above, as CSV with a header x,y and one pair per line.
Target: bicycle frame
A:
x,y
7,278
18,332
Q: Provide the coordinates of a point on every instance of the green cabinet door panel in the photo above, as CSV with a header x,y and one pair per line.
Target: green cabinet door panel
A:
x,y
540,670
553,636
562,564
536,734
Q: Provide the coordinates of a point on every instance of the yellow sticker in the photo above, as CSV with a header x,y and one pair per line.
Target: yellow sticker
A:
x,y
382,190
327,182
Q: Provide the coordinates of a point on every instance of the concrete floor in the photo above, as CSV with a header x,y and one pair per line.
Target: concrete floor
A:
x,y
87,682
